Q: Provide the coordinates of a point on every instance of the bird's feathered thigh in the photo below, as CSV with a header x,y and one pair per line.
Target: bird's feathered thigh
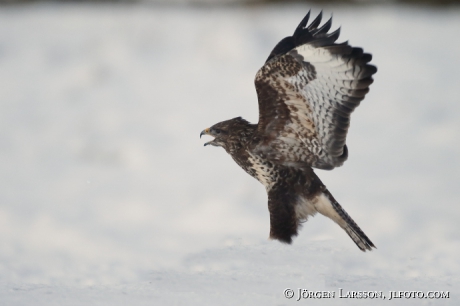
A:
x,y
292,194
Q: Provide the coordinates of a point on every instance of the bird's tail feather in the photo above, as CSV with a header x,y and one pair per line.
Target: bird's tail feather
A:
x,y
341,217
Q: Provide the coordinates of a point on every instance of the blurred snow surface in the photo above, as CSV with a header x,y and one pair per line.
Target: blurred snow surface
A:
x,y
107,196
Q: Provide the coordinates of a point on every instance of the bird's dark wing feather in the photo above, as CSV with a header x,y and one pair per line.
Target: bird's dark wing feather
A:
x,y
307,90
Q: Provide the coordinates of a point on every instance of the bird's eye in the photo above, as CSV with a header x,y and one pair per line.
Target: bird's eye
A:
x,y
217,131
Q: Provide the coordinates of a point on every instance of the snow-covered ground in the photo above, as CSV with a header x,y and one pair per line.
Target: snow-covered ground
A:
x,y
107,196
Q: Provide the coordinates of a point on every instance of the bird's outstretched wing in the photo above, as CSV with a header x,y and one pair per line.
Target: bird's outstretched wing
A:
x,y
307,89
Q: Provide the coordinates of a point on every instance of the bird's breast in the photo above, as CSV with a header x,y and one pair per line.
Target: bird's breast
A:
x,y
262,170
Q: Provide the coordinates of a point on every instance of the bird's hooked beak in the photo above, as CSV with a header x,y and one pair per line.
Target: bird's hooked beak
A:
x,y
206,132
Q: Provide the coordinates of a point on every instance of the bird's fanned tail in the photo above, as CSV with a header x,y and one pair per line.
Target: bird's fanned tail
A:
x,y
349,225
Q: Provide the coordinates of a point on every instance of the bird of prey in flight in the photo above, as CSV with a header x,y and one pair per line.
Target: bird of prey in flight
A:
x,y
307,89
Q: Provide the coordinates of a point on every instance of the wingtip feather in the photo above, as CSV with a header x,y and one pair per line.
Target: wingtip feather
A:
x,y
315,23
302,24
324,28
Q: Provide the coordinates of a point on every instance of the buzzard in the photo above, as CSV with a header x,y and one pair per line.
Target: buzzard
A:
x,y
307,89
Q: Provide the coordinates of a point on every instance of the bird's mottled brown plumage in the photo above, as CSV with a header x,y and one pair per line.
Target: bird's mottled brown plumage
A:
x,y
307,90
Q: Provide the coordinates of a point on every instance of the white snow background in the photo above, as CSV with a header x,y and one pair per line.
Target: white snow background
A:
x,y
108,197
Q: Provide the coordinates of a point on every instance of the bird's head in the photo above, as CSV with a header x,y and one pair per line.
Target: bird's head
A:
x,y
223,132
